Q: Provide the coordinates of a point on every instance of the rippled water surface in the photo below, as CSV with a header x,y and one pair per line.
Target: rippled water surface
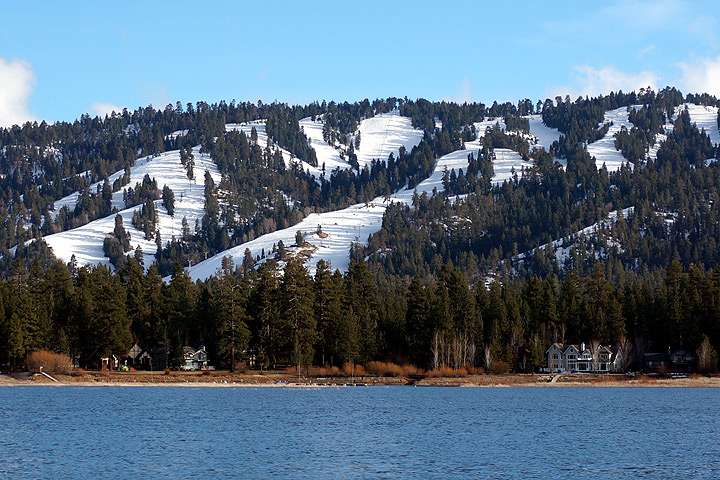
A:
x,y
375,432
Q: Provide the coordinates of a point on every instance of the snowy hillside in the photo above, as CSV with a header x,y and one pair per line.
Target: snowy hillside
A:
x,y
86,242
562,249
381,136
259,127
325,153
354,224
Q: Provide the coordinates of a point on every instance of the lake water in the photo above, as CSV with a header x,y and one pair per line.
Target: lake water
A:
x,y
363,433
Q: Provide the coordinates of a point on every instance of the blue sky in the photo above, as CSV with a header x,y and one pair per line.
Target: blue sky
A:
x,y
59,60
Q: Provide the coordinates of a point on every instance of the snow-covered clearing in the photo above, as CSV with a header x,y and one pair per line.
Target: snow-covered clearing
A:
x,y
604,149
704,118
384,134
544,135
86,242
506,163
326,154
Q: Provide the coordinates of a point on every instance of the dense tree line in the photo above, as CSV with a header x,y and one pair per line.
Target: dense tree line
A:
x,y
276,317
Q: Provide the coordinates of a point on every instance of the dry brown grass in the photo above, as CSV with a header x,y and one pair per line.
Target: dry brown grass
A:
x,y
326,372
448,372
49,362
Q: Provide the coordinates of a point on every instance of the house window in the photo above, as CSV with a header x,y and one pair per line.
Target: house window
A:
x,y
555,356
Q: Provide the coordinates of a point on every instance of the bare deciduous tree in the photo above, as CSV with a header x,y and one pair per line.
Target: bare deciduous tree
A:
x,y
594,347
487,357
436,350
707,358
624,354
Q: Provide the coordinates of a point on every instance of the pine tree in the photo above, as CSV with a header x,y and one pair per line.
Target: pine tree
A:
x,y
230,315
329,316
265,320
297,311
362,310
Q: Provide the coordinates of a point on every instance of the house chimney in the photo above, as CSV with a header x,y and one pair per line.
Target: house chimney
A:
x,y
582,347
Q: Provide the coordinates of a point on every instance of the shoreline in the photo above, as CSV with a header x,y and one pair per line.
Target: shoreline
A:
x,y
283,380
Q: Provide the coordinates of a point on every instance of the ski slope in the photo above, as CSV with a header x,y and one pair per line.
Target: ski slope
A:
x,y
325,153
604,150
384,134
544,135
86,242
704,118
357,222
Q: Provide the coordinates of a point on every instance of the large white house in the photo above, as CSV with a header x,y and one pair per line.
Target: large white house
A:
x,y
580,358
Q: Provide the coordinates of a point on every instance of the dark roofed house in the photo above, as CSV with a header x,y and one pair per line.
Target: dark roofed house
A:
x,y
677,360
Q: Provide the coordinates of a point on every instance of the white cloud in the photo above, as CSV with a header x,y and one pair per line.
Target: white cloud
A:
x,y
464,95
701,76
101,109
646,50
591,81
156,95
16,85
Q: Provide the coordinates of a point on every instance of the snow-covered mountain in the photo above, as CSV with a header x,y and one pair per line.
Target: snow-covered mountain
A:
x,y
328,235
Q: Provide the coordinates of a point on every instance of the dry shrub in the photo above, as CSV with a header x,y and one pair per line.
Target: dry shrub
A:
x,y
350,369
79,372
499,367
324,372
646,379
205,372
328,372
695,376
383,369
49,362
412,370
474,370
